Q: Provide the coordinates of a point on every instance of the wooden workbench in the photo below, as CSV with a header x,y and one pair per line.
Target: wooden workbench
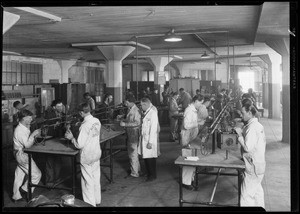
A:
x,y
54,146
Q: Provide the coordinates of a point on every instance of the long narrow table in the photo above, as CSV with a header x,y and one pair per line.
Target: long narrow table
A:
x,y
54,146
108,138
217,160
63,147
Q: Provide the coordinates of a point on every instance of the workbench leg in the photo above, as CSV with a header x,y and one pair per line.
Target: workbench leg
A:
x,y
196,177
214,138
111,161
73,174
29,195
239,186
180,186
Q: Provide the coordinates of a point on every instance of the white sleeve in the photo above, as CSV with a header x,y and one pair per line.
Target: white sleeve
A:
x,y
82,137
248,143
24,140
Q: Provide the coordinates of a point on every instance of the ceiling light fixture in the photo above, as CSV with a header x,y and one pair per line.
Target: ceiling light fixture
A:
x,y
218,62
172,37
205,55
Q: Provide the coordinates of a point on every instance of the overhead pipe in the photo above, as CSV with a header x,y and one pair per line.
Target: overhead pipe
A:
x,y
215,62
137,82
228,73
181,33
130,43
206,45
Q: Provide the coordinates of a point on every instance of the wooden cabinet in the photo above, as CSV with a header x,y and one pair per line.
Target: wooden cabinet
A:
x,y
190,85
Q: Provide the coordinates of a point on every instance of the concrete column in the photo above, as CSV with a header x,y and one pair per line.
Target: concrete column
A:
x,y
114,77
273,61
9,19
65,65
159,63
282,47
182,67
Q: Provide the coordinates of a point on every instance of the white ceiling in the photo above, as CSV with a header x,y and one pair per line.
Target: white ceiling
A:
x,y
201,28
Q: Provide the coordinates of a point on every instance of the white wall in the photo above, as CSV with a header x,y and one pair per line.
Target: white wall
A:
x,y
52,69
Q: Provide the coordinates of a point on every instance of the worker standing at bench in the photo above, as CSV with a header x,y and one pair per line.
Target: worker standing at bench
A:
x,y
88,142
132,123
253,144
188,133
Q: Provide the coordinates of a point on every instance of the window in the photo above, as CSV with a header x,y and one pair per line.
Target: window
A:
x,y
94,75
14,72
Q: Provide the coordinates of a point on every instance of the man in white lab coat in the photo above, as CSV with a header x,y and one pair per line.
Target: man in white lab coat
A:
x,y
253,144
132,123
149,146
88,142
203,113
23,139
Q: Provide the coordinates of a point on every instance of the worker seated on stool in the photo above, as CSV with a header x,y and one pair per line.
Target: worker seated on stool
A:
x,y
56,129
188,133
23,139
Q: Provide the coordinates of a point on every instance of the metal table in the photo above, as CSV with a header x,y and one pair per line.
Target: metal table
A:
x,y
108,138
54,146
217,160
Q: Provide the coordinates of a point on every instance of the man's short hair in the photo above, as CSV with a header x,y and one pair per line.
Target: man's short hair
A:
x,y
16,103
86,94
24,113
206,99
106,96
198,97
130,98
181,89
146,99
249,107
174,94
85,107
55,102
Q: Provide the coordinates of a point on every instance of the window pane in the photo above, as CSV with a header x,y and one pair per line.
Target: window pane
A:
x,y
144,76
151,75
4,77
8,78
13,78
19,78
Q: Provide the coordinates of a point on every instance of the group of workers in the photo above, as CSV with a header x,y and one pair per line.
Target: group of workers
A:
x,y
142,129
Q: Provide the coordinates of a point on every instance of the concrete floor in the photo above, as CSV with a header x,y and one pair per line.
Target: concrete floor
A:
x,y
164,192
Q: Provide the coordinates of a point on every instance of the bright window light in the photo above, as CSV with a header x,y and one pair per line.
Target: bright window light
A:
x,y
246,80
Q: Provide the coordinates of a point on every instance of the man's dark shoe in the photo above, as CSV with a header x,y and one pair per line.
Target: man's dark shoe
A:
x,y
149,179
23,194
19,200
188,187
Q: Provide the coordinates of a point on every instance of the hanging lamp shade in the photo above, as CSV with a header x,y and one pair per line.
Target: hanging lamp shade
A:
x,y
218,62
205,55
172,37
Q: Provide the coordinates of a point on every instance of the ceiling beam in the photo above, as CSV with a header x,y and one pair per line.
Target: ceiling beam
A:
x,y
130,43
40,13
202,41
